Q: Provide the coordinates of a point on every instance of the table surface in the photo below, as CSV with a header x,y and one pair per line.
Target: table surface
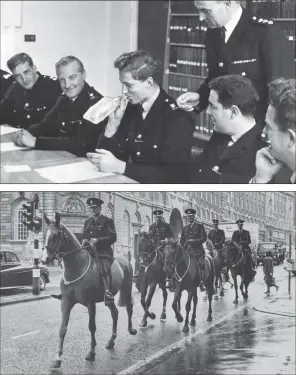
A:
x,y
41,159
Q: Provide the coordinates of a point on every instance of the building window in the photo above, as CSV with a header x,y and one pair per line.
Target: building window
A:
x,y
146,224
20,230
126,229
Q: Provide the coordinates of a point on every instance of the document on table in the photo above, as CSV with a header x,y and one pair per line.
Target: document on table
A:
x,y
69,173
16,168
4,129
10,146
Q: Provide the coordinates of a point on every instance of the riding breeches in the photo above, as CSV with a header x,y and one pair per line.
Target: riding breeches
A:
x,y
106,264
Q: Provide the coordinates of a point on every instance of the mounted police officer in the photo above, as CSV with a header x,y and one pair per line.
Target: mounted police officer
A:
x,y
64,127
217,236
192,238
142,139
30,97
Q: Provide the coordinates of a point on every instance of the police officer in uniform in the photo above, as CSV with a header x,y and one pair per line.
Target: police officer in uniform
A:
x,y
192,238
237,42
217,236
64,127
142,139
30,97
242,237
6,80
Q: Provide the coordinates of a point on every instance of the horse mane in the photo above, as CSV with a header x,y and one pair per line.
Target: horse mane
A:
x,y
70,236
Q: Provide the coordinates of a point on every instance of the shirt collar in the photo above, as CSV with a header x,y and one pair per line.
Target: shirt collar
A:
x,y
293,178
149,103
237,136
230,26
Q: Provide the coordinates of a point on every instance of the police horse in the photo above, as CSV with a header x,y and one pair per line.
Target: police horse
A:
x,y
81,283
240,264
151,274
182,267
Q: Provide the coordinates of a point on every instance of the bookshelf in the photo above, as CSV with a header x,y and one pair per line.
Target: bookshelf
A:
x,y
185,66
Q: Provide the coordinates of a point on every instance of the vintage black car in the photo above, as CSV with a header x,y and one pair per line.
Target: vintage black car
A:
x,y
15,275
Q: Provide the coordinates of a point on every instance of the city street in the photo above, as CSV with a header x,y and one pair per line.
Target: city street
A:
x,y
240,340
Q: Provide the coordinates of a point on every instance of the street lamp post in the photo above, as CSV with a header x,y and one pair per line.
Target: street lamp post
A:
x,y
290,254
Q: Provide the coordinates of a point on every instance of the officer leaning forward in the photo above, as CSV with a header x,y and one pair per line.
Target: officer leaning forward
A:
x,y
98,236
30,97
192,238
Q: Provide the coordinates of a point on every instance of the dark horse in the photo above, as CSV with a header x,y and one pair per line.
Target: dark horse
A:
x,y
81,283
218,264
240,263
151,275
182,266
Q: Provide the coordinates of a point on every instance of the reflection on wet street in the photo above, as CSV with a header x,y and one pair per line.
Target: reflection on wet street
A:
x,y
250,343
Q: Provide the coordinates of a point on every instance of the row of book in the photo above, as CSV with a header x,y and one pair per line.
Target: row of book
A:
x,y
188,60
289,28
274,8
187,30
181,84
183,7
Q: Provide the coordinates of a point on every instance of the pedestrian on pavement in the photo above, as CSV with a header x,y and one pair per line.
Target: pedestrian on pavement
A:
x,y
268,273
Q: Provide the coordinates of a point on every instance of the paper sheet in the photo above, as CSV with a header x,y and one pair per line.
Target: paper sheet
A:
x,y
4,129
16,168
10,146
69,173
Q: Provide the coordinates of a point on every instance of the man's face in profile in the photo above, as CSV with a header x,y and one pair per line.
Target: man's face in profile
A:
x,y
135,90
220,116
213,13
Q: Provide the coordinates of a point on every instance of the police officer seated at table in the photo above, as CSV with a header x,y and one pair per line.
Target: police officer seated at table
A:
x,y
30,97
64,127
148,138
98,236
192,238
6,79
229,157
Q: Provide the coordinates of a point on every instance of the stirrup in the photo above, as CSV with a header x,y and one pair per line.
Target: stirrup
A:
x,y
108,298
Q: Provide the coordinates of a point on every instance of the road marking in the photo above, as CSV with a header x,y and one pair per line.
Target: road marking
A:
x,y
147,364
24,334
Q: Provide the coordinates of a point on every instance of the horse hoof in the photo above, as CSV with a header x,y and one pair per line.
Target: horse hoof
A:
x,y
215,296
209,318
110,345
185,329
132,331
163,317
221,294
235,301
245,298
56,363
152,316
90,356
180,319
143,324
192,322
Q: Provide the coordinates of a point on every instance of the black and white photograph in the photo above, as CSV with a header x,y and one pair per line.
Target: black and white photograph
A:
x,y
153,92
194,282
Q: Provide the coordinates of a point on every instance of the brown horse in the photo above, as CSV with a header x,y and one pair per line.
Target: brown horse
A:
x,y
183,268
240,264
81,283
218,264
151,274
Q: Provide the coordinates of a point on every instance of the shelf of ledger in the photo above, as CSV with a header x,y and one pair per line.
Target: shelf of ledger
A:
x,y
186,75
187,45
185,14
202,136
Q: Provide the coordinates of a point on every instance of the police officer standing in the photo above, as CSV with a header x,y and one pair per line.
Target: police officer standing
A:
x,y
192,238
30,97
242,237
237,42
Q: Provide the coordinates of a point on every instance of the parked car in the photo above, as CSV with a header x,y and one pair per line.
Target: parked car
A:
x,y
15,275
263,247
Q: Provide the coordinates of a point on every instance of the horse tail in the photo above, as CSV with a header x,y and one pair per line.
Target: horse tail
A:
x,y
125,292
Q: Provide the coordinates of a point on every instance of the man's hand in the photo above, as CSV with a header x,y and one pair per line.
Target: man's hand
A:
x,y
24,138
106,161
188,101
116,117
266,166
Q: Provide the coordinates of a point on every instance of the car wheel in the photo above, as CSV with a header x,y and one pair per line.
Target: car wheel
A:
x,y
42,282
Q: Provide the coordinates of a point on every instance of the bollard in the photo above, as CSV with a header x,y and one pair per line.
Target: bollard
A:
x,y
36,269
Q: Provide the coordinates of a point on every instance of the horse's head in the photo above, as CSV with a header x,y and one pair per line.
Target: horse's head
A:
x,y
146,245
233,250
171,253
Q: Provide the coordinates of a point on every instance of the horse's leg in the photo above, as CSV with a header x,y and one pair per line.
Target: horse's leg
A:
x,y
210,291
92,327
216,284
221,283
165,297
188,308
234,277
242,287
66,308
144,289
176,304
147,314
193,317
129,309
114,313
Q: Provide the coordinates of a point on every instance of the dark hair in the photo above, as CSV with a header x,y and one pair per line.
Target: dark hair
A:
x,y
140,64
19,58
68,60
282,97
236,90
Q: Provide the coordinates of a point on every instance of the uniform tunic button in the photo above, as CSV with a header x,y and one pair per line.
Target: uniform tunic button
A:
x,y
63,123
28,116
200,170
14,110
139,136
27,105
138,153
155,146
221,64
243,73
166,100
44,107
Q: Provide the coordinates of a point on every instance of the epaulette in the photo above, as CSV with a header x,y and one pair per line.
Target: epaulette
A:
x,y
6,76
92,95
171,103
262,21
49,77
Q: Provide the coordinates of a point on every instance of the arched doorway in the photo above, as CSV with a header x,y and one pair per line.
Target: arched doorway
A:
x,y
176,222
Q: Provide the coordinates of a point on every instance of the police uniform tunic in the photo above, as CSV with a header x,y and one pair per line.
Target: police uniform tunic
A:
x,y
103,230
22,108
157,147
217,236
196,233
242,237
160,231
6,80
256,49
64,127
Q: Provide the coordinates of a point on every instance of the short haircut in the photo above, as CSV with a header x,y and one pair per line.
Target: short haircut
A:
x,y
140,64
237,90
68,60
282,97
19,58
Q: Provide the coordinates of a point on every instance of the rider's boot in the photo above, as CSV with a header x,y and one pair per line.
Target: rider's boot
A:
x,y
170,284
108,298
